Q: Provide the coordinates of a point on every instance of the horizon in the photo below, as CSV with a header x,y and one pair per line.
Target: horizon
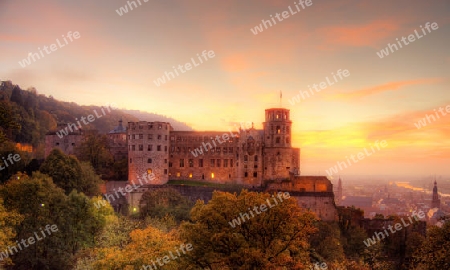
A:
x,y
325,59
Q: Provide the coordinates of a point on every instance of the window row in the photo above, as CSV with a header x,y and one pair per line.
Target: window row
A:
x,y
140,147
200,150
149,136
203,138
149,126
212,163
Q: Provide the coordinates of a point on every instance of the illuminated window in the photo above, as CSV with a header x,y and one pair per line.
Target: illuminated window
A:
x,y
149,171
178,174
278,130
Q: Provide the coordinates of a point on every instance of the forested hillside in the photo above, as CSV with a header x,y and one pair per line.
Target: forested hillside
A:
x,y
26,116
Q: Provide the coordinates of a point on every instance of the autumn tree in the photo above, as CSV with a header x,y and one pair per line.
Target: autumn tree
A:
x,y
276,237
8,221
433,253
146,247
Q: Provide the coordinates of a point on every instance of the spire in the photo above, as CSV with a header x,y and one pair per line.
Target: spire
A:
x,y
281,96
435,202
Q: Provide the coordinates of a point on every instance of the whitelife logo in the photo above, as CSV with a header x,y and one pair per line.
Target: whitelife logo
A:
x,y
263,207
285,14
27,61
397,226
423,121
187,66
64,132
304,94
199,151
360,156
411,38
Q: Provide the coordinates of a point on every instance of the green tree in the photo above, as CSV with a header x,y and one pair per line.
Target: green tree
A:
x,y
165,201
68,173
273,239
326,242
95,150
41,203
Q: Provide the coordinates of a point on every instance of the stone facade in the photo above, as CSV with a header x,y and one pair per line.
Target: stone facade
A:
x,y
246,156
66,143
261,160
148,151
118,144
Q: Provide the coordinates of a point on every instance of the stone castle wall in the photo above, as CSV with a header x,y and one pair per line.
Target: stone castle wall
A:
x,y
148,151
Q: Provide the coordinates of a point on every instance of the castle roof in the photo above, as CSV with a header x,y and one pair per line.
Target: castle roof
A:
x,y
119,129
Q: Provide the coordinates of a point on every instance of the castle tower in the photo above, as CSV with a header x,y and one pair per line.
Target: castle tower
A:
x,y
435,203
280,159
277,128
338,198
148,152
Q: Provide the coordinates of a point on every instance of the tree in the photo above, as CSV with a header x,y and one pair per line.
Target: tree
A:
x,y
90,181
274,238
166,201
326,242
8,221
43,204
94,149
433,254
146,247
68,173
8,121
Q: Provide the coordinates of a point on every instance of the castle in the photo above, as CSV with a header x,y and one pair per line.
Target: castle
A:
x,y
261,160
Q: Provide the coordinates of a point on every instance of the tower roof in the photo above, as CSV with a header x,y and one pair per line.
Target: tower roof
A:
x,y
119,129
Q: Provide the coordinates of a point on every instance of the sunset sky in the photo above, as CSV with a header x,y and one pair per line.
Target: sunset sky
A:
x,y
118,58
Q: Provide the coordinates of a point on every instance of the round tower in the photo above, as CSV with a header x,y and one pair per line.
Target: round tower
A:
x,y
277,128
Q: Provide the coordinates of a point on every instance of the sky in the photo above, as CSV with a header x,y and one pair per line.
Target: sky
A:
x,y
118,58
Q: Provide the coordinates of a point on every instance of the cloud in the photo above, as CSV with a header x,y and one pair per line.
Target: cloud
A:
x,y
391,86
365,35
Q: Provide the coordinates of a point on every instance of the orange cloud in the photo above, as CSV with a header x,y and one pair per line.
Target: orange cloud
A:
x,y
391,86
367,35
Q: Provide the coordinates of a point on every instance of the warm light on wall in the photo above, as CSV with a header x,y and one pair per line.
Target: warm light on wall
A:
x,y
212,175
190,175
